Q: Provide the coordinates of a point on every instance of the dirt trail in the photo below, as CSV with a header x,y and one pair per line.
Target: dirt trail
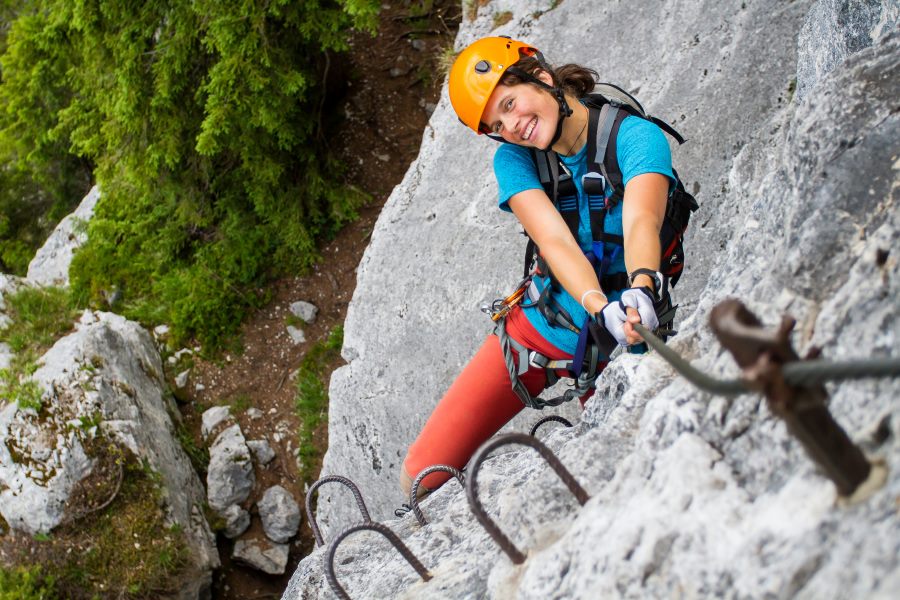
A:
x,y
394,81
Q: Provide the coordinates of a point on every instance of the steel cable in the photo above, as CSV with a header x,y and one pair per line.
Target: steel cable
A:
x,y
798,373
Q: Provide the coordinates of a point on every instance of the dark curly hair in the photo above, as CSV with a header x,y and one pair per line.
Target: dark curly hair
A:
x,y
573,79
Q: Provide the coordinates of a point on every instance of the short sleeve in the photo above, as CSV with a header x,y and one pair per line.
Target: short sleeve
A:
x,y
515,172
641,147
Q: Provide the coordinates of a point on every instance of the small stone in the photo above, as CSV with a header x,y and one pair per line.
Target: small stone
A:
x,y
199,387
212,418
305,311
262,451
280,514
181,378
254,413
418,45
237,521
297,335
160,331
262,555
397,72
430,107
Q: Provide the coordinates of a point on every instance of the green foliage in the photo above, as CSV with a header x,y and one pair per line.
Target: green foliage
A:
x,y
26,584
204,122
39,316
311,403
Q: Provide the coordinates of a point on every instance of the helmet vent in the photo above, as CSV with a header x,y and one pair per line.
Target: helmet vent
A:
x,y
482,66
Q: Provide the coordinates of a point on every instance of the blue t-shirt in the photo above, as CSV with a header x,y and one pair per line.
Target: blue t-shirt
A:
x,y
641,147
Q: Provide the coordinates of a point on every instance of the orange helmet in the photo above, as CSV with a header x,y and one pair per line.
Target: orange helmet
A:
x,y
477,71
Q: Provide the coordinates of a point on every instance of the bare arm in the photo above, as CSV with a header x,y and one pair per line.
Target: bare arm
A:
x,y
546,227
643,210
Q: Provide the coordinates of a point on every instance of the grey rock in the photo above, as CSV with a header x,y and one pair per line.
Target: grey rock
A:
x,y
279,513
296,334
212,418
689,492
305,311
835,29
418,44
6,355
262,451
237,521
262,555
230,476
254,413
107,368
50,265
181,380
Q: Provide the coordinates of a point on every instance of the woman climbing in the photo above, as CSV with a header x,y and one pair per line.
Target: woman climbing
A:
x,y
593,188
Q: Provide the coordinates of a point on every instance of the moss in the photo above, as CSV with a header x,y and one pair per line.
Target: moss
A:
x,y
122,548
240,403
311,402
502,18
21,583
198,454
39,317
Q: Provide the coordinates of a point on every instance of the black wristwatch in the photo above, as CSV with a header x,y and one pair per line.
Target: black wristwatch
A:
x,y
658,278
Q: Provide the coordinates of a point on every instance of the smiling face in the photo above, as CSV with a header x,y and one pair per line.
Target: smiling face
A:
x,y
522,114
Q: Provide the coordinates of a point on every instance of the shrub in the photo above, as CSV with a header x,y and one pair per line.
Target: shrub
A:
x,y
205,127
25,584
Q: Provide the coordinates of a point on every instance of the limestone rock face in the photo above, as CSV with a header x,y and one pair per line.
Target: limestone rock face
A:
x,y
689,491
834,30
50,265
105,377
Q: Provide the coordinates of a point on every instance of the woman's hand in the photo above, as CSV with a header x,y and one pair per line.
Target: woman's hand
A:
x,y
639,309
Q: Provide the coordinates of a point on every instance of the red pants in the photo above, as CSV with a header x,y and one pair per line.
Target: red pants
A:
x,y
479,402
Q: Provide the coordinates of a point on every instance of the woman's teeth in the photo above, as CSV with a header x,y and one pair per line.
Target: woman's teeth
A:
x,y
529,129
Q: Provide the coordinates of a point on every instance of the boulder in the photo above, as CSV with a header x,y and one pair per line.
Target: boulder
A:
x,y
279,513
262,555
105,378
229,478
50,265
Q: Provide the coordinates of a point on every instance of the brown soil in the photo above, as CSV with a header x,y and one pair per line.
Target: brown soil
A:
x,y
394,80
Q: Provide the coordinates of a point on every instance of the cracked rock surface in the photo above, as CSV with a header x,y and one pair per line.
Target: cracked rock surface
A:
x,y
690,492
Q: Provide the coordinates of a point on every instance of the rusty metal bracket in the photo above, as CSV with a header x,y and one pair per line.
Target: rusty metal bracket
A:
x,y
414,491
384,530
555,418
472,485
312,490
762,353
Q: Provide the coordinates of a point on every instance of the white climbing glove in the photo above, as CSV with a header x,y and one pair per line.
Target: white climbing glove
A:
x,y
642,299
613,318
